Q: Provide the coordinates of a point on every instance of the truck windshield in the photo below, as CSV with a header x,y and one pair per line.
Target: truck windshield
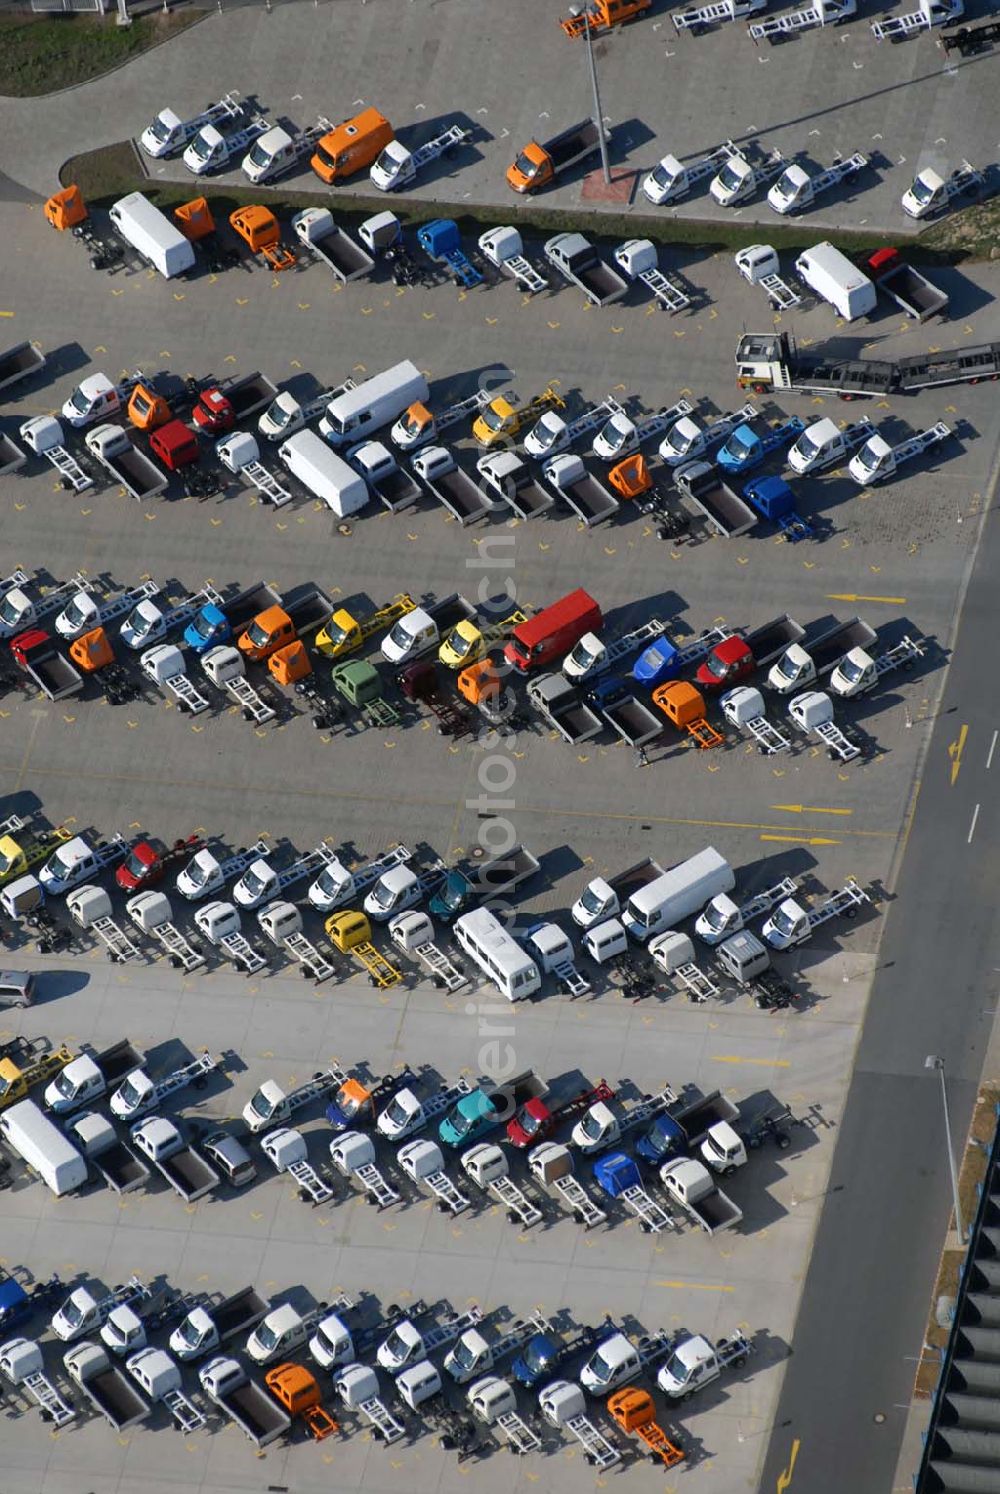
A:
x,y
659,1137
266,1336
65,1085
254,884
330,1340
327,157
458,643
79,401
6,1085
583,657
401,636
261,1105
464,1355
661,176
60,865
715,918
196,873
73,1313
204,625
852,670
258,636
259,156
784,923
349,1103
395,1113
530,1124
546,431
129,1094
337,633
140,623
134,866
189,1334
921,191
160,131
538,1355
201,147
786,187
738,448
717,668
526,167
396,1345
869,458
492,419
729,177
328,882
461,1123
600,1369
79,609
615,433
806,447
10,611
591,1126
676,1369
592,901
383,896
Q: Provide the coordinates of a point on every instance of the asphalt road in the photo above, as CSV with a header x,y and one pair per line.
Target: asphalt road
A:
x,y
843,1406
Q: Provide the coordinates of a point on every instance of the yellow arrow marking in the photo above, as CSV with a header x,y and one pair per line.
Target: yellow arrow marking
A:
x,y
955,750
802,840
810,808
853,596
785,1477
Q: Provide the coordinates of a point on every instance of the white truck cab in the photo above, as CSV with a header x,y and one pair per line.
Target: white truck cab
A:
x,y
613,1363
413,634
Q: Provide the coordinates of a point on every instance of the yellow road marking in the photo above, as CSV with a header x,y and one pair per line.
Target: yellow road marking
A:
x,y
803,840
852,596
785,1477
809,808
696,1286
955,750
766,1063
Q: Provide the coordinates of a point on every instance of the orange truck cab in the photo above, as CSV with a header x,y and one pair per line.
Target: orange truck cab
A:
x,y
684,706
148,410
551,633
297,1391
289,664
260,231
194,219
633,1411
630,478
92,651
269,631
65,209
351,146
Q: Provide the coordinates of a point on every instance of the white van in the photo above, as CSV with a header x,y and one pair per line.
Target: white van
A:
x,y
324,473
677,894
501,959
151,232
377,402
43,1147
832,276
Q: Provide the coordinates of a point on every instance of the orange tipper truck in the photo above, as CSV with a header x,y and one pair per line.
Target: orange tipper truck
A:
x,y
540,162
603,15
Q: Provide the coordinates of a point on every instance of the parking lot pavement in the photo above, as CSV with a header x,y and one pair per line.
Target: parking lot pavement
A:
x,y
898,557
829,91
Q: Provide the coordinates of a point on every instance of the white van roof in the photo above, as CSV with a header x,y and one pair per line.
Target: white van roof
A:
x,y
350,403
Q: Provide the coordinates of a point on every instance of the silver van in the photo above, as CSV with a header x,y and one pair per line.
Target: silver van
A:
x,y
17,987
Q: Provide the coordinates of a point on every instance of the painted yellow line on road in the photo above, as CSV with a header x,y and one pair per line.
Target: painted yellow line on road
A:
x,y
764,1063
6,313
853,596
809,809
955,750
803,840
785,1477
696,1286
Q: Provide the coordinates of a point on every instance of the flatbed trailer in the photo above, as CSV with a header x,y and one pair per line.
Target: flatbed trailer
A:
x,y
19,363
727,513
770,361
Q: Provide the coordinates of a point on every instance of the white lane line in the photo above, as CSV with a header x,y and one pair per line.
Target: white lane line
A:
x,y
972,827
993,748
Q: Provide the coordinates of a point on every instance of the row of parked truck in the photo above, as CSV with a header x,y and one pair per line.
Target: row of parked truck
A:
x,y
471,1375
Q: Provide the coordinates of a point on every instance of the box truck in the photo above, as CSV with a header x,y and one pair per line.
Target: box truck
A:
x,y
832,276
151,234
324,473
683,890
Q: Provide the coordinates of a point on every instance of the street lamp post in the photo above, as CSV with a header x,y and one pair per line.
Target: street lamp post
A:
x,y
583,10
932,1061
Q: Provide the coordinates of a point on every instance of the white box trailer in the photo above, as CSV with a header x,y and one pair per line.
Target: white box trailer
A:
x,y
152,235
832,276
324,473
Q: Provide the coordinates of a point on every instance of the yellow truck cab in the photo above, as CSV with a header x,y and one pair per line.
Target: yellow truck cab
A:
x,y
345,632
347,930
22,848
16,1081
503,417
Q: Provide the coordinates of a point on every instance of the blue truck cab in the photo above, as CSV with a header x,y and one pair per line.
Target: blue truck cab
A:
x,y
537,1361
664,1140
471,1118
656,663
745,450
208,629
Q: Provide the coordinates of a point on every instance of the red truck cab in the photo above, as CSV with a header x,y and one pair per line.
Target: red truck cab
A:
x,y
144,865
729,662
551,633
213,413
175,444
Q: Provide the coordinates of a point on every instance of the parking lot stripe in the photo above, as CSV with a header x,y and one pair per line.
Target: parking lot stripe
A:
x,y
766,1063
696,1286
803,840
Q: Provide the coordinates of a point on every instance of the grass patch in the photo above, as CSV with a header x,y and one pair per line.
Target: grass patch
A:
x,y
106,174
973,1171
972,234
39,56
